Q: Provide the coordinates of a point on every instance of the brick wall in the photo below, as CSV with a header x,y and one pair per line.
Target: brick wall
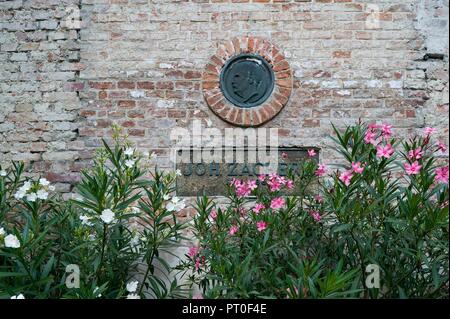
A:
x,y
138,63
39,104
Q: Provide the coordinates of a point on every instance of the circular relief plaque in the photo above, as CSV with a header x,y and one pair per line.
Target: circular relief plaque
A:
x,y
247,82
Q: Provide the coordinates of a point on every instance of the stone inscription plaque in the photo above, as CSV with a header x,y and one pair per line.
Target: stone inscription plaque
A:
x,y
211,178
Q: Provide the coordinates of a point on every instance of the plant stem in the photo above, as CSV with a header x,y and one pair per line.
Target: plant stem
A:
x,y
105,228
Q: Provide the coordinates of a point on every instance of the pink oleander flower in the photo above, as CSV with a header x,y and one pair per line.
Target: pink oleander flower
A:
x,y
385,151
289,184
199,296
197,264
311,153
386,130
258,207
274,185
261,225
318,199
346,177
321,170
441,175
252,185
275,182
233,230
213,214
244,188
262,177
413,169
415,154
316,216
429,131
441,147
193,251
357,168
373,126
277,203
273,176
284,155
369,138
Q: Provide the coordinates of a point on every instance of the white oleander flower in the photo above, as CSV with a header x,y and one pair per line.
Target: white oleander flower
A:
x,y
129,163
135,210
85,220
20,296
22,191
2,231
133,296
19,194
26,186
51,188
135,241
178,172
92,237
32,197
42,194
44,182
129,152
175,204
2,173
11,241
166,197
107,216
132,286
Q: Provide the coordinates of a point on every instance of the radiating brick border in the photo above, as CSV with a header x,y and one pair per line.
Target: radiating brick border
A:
x,y
252,116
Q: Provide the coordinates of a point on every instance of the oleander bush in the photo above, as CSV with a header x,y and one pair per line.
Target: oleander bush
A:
x,y
376,226
383,211
113,235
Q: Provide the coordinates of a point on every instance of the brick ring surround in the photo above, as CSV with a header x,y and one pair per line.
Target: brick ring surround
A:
x,y
255,116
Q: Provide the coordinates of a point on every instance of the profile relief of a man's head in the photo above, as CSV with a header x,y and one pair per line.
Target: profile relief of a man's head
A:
x,y
248,83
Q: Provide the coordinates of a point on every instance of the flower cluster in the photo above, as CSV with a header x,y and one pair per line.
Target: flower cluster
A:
x,y
258,207
316,215
441,175
213,214
132,287
415,156
233,230
321,170
194,254
261,225
385,151
32,191
175,204
243,188
130,160
346,176
107,216
277,203
375,133
276,182
10,241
